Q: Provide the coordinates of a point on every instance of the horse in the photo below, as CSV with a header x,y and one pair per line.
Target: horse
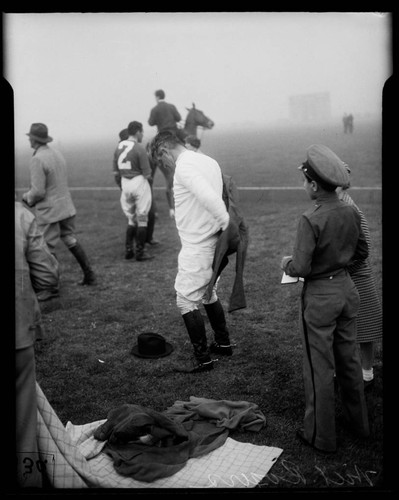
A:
x,y
195,118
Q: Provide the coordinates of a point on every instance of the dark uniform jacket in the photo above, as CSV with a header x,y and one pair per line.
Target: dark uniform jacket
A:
x,y
329,238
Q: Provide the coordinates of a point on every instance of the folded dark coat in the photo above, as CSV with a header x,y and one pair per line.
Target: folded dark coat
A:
x,y
234,240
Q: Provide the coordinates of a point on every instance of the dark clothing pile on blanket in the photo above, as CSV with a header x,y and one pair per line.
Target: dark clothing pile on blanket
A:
x,y
148,445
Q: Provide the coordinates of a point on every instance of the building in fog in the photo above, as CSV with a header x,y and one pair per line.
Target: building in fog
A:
x,y
310,107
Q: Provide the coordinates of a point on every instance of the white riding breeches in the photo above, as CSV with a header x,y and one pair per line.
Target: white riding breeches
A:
x,y
136,200
194,274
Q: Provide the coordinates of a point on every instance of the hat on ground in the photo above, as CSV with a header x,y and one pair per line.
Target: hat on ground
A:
x,y
151,345
324,166
39,132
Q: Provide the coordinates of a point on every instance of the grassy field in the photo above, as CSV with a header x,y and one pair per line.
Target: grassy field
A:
x,y
255,157
85,367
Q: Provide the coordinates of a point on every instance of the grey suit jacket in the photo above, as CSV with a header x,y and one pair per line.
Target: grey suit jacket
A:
x,y
49,192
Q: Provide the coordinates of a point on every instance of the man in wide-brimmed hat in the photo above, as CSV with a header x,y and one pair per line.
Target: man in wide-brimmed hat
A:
x,y
50,196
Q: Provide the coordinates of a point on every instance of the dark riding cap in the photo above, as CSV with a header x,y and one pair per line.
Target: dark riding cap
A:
x,y
325,167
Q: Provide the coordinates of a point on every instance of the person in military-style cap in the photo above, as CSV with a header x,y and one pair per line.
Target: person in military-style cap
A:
x,y
329,237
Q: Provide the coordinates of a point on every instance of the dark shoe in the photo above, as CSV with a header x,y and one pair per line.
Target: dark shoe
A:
x,y
223,350
50,305
89,279
300,435
129,254
153,242
197,368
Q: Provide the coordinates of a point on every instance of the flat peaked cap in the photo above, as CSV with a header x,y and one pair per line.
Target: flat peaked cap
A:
x,y
327,166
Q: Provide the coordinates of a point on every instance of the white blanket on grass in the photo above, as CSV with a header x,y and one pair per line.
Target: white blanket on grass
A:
x,y
74,459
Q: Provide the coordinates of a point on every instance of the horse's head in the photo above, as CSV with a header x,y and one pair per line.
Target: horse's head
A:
x,y
197,118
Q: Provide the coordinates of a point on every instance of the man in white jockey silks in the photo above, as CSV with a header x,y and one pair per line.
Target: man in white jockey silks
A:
x,y
200,215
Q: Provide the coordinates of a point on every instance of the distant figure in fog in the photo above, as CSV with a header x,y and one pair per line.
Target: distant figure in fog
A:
x,y
164,115
348,123
50,196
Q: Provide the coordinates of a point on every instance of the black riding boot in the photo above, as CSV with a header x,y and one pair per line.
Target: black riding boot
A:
x,y
129,242
151,225
217,319
141,236
196,330
79,254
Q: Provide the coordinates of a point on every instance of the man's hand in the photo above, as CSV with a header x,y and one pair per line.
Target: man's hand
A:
x,y
172,213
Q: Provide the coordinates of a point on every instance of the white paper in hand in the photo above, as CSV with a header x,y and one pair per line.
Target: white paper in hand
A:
x,y
286,278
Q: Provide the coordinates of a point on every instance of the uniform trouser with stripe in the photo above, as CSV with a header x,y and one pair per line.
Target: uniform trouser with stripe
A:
x,y
329,310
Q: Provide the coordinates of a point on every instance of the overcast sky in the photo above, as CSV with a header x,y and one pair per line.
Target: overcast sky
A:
x,y
87,75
